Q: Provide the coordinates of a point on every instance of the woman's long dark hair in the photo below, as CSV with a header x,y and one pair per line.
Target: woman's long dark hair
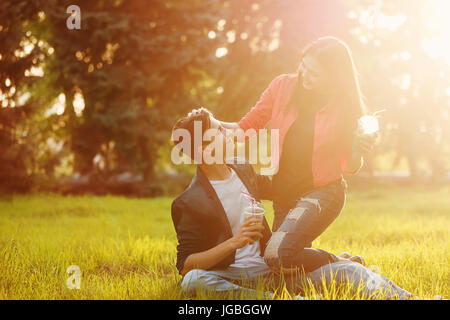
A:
x,y
335,57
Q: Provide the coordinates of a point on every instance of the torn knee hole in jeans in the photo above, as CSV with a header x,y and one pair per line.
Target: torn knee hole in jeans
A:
x,y
296,213
313,201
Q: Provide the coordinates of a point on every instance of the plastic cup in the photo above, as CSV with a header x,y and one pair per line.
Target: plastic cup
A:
x,y
255,211
368,126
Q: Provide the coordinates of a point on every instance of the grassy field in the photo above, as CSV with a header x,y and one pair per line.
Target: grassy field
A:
x,y
125,247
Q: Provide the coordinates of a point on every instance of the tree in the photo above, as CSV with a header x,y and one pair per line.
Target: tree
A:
x,y
20,52
133,62
393,37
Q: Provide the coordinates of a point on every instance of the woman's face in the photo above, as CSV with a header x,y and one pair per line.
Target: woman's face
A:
x,y
314,77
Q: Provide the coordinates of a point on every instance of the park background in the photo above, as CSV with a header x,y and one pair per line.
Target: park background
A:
x,y
85,120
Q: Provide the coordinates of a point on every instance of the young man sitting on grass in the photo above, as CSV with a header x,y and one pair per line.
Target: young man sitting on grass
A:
x,y
216,248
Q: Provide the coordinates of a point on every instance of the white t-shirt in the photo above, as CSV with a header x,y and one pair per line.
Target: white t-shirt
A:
x,y
234,203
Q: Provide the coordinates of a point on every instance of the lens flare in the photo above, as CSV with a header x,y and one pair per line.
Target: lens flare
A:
x,y
368,125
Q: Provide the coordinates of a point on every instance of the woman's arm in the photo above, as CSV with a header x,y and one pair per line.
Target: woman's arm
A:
x,y
230,125
207,259
226,125
258,117
354,163
361,147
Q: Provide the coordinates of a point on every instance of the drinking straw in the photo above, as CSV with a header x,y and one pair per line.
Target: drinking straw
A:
x,y
251,198
378,112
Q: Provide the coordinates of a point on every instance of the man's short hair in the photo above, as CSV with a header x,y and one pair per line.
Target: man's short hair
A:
x,y
187,123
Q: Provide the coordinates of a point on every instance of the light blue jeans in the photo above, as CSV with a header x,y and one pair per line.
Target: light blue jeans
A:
x,y
226,280
369,283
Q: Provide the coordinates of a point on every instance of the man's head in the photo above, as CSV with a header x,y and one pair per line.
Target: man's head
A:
x,y
204,135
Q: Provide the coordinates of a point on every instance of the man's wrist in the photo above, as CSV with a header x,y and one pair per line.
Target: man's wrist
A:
x,y
232,244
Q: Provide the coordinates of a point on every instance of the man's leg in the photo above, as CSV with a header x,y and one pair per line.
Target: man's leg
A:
x,y
218,281
371,284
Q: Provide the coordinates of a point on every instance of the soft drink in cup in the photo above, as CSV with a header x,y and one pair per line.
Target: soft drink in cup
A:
x,y
368,126
256,210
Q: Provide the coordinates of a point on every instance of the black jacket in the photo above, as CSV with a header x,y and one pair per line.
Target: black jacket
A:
x,y
200,219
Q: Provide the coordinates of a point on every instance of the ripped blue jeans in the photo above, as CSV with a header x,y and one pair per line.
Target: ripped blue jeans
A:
x,y
360,278
294,229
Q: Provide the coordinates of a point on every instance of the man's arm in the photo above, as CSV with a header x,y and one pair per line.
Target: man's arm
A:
x,y
189,232
209,258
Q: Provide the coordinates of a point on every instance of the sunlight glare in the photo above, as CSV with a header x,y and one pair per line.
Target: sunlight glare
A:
x,y
78,104
438,45
368,125
221,52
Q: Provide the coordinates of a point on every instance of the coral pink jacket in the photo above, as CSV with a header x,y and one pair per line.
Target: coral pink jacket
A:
x,y
330,149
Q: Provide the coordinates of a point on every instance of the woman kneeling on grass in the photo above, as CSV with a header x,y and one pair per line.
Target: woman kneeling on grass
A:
x,y
219,250
315,112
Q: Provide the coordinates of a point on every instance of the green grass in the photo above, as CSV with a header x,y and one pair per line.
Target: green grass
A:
x,y
126,248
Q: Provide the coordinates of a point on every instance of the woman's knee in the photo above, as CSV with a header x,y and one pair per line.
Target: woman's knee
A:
x,y
277,255
271,253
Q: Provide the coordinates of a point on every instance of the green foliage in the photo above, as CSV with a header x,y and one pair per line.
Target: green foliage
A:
x,y
134,63
139,65
18,20
131,67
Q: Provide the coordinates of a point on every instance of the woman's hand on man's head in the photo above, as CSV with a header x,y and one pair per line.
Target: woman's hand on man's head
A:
x,y
214,122
217,123
197,111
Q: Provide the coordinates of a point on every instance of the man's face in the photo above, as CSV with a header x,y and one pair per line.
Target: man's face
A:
x,y
220,139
